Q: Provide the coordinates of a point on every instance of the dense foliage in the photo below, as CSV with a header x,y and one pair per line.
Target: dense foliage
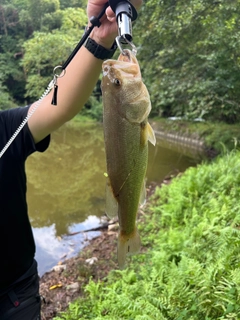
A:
x,y
190,57
35,37
191,269
188,52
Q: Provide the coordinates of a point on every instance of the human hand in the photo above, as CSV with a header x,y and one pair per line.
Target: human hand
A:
x,y
107,32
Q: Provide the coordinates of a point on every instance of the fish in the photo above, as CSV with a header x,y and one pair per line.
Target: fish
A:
x,y
126,106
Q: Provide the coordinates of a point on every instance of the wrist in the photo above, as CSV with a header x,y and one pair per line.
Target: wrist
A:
x,y
99,51
104,42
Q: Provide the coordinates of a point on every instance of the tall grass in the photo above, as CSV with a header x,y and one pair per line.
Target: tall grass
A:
x,y
191,270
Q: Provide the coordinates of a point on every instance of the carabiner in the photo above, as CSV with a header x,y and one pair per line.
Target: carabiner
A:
x,y
125,40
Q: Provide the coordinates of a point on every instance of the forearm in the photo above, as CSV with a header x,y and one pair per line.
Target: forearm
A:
x,y
74,89
81,77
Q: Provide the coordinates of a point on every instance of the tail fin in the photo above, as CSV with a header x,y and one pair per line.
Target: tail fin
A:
x,y
127,244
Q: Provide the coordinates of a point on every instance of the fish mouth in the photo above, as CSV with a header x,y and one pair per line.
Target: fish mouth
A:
x,y
125,69
120,70
128,56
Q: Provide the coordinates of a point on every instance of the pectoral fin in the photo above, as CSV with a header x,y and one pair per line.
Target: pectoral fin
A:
x,y
142,199
111,202
147,134
151,134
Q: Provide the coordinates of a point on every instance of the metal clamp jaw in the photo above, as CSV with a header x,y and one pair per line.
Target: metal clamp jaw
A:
x,y
125,14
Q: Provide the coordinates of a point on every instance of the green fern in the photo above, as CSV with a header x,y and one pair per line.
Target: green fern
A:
x,y
192,267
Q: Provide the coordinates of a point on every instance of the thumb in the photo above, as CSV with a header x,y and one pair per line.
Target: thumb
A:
x,y
110,14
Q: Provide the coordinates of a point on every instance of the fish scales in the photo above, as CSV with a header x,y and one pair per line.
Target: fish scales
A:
x,y
126,105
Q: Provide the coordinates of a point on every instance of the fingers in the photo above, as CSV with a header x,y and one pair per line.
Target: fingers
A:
x,y
110,14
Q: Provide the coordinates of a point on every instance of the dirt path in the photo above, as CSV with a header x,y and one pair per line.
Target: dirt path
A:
x,y
67,283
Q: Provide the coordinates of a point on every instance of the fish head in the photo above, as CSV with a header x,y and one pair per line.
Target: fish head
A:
x,y
122,87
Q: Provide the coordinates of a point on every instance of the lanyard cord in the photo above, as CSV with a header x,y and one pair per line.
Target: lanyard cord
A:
x,y
30,113
95,22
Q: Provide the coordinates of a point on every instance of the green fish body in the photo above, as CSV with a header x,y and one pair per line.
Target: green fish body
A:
x,y
126,105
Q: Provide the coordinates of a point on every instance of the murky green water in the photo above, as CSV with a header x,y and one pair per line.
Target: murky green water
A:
x,y
66,189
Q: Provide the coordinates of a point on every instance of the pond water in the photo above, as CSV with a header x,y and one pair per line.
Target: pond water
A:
x,y
66,189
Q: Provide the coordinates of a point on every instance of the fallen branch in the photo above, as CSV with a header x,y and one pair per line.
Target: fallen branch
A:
x,y
99,228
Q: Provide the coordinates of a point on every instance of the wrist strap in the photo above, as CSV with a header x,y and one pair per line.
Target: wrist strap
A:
x,y
99,51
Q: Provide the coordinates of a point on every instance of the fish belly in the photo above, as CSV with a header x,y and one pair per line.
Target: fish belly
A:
x,y
126,168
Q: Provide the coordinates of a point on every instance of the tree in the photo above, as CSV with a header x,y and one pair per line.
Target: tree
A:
x,y
73,4
5,99
38,8
190,57
8,19
56,33
46,50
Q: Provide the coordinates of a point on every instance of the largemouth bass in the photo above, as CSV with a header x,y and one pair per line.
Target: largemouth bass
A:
x,y
126,105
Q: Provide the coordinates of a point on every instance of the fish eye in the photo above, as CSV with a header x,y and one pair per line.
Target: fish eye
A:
x,y
117,82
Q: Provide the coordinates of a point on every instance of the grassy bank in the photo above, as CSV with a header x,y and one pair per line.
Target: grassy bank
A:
x,y
191,268
80,120
216,136
220,137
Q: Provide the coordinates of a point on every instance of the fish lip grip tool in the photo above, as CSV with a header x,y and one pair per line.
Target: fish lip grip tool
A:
x,y
125,13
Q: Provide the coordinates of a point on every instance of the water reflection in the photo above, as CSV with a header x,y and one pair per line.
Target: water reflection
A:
x,y
66,188
66,183
52,249
164,162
